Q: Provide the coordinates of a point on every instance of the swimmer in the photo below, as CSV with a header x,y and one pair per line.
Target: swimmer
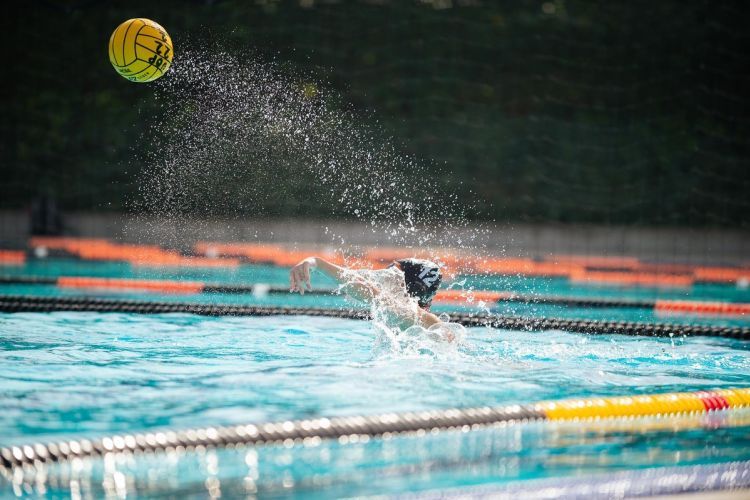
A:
x,y
389,289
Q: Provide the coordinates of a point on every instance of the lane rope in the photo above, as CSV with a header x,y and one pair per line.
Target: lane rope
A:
x,y
448,295
354,428
23,303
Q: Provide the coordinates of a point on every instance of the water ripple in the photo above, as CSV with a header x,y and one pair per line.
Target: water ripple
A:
x,y
66,373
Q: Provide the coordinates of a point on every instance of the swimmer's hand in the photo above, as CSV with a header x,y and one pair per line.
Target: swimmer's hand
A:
x,y
448,332
299,276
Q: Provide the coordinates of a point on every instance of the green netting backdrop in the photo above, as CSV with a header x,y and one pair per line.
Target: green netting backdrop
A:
x,y
569,111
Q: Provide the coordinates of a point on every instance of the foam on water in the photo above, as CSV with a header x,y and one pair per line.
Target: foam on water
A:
x,y
395,316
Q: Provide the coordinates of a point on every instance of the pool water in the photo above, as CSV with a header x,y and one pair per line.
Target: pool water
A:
x,y
70,373
278,277
516,455
92,374
74,375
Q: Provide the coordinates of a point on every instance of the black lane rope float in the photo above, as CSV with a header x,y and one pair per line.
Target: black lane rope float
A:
x,y
580,301
354,428
23,303
27,280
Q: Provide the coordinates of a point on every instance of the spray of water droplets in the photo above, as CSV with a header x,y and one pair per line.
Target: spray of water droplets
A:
x,y
395,318
234,135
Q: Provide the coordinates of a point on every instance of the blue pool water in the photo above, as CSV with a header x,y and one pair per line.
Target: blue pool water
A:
x,y
65,375
279,276
275,276
90,373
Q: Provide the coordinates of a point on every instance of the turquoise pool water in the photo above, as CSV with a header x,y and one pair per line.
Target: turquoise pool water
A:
x,y
279,276
249,274
91,374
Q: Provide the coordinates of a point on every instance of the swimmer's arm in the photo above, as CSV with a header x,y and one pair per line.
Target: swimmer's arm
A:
x,y
299,278
427,319
361,289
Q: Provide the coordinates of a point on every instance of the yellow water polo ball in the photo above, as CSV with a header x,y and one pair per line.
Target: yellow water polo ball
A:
x,y
140,50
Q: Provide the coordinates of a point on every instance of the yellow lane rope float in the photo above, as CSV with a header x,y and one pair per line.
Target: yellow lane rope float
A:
x,y
597,409
643,406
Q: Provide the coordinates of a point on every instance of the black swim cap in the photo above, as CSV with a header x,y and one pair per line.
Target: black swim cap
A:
x,y
422,279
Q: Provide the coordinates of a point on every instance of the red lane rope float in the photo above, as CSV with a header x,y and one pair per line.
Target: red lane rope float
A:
x,y
666,268
529,267
592,409
599,262
450,258
137,255
12,257
447,296
619,270
721,274
131,284
633,279
262,253
693,306
579,268
672,306
256,252
713,401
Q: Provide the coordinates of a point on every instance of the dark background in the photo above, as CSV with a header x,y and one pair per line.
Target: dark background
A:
x,y
632,112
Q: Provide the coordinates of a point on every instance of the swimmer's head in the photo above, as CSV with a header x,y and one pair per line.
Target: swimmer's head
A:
x,y
422,279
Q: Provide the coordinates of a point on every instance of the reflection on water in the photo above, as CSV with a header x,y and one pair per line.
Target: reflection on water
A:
x,y
92,374
89,374
319,468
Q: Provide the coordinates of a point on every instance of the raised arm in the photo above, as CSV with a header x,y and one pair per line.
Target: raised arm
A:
x,y
299,278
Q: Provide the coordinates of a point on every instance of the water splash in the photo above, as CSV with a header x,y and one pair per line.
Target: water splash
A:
x,y
237,136
230,127
395,316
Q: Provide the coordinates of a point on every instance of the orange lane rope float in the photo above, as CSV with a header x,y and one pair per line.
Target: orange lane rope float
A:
x,y
447,296
12,257
165,286
700,307
136,255
602,270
